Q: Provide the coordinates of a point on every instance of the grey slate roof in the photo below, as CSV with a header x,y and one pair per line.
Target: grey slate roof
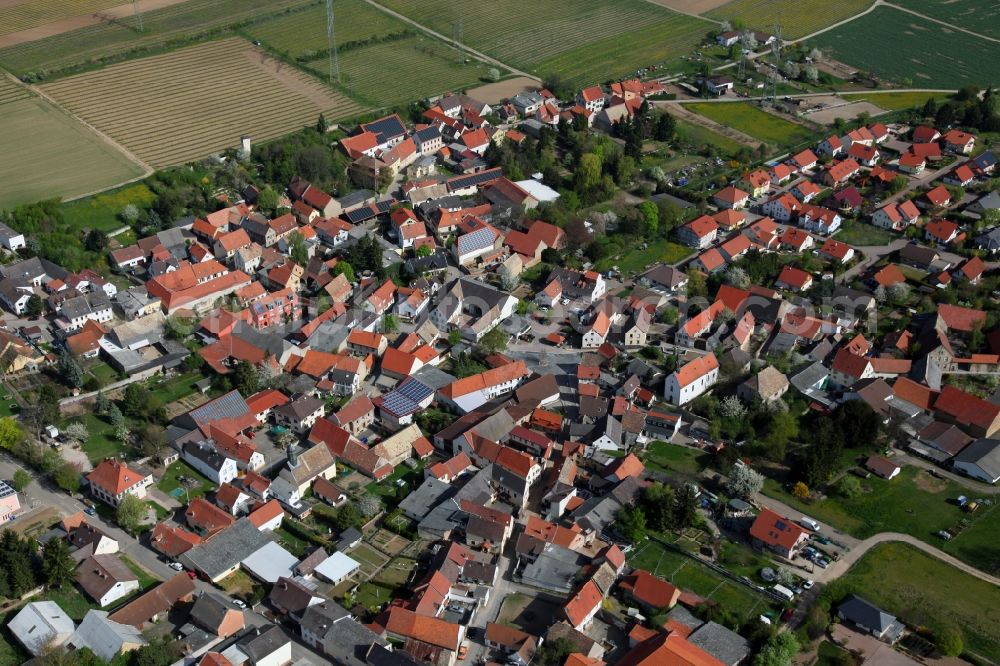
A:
x,y
865,614
724,644
226,549
984,453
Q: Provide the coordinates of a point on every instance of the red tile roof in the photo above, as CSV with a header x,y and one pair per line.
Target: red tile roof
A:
x,y
650,590
939,196
583,603
668,650
696,369
266,513
114,476
774,530
957,318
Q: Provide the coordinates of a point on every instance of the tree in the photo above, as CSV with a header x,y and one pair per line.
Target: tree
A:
x,y
588,174
880,294
151,439
345,269
731,407
298,250
136,400
899,293
779,650
554,652
631,523
800,490
77,431
21,480
321,125
179,328
666,127
122,433
369,505
508,280
493,74
650,218
10,432
95,241
425,250
67,477
390,324
130,513
130,214
685,508
34,306
696,286
69,370
58,566
494,341
115,416
245,378
347,517
849,487
744,481
949,641
267,199
669,316
738,277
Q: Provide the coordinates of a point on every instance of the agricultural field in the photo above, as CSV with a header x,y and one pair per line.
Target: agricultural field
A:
x,y
900,47
980,16
699,136
752,121
923,591
797,18
18,16
302,34
400,71
169,109
49,154
583,41
112,40
896,101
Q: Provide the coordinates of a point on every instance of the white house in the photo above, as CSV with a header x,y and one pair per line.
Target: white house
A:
x,y
337,568
111,480
690,381
469,393
209,463
41,625
12,240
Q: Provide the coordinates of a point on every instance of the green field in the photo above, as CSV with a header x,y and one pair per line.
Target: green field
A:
x,y
584,41
674,458
687,574
896,101
749,119
699,137
638,259
303,33
798,18
982,16
924,591
161,28
47,154
901,47
402,70
855,232
101,212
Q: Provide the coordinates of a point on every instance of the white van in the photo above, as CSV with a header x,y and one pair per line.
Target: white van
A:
x,y
809,524
784,592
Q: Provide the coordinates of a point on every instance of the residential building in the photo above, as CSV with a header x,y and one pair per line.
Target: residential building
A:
x,y
112,479
691,380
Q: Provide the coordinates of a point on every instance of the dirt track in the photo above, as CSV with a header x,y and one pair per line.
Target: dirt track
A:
x,y
74,22
690,6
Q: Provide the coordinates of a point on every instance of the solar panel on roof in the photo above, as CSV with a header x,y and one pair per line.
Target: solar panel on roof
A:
x,y
414,389
398,403
473,179
5,490
477,240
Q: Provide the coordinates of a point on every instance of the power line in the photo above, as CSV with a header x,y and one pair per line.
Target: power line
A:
x,y
138,14
331,40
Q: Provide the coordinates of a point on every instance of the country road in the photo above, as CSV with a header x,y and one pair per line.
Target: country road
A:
x,y
841,566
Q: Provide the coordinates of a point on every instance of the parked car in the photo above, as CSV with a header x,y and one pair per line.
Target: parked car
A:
x,y
90,511
807,585
239,603
176,566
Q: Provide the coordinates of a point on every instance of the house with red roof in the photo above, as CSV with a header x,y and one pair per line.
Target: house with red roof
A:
x,y
941,231
971,270
889,275
700,232
691,380
778,534
709,261
796,240
731,197
865,155
834,250
112,479
962,176
782,173
896,217
756,182
957,141
805,191
804,160
841,172
668,648
793,279
912,163
939,197
978,417
591,98
583,605
831,146
648,591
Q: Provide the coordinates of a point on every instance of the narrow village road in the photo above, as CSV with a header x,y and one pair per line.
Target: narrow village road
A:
x,y
478,54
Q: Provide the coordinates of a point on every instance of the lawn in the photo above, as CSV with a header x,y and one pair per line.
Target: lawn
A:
x,y
797,17
101,212
689,574
900,47
924,591
980,16
173,389
145,580
371,595
752,121
896,101
857,233
71,601
48,155
700,137
675,458
292,543
638,259
171,482
102,442
387,489
830,655
582,41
